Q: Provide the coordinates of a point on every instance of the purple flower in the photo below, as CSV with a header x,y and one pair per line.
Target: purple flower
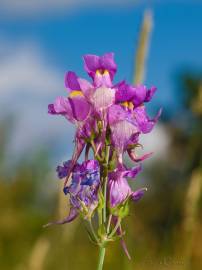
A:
x,y
127,124
124,131
144,123
84,187
132,99
109,120
71,81
75,107
101,98
62,171
137,95
83,190
100,68
119,189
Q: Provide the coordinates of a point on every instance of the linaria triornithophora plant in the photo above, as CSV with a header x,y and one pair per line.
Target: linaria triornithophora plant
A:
x,y
109,119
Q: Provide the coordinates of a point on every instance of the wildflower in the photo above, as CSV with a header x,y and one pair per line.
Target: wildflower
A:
x,y
119,189
83,189
75,108
109,121
128,118
137,95
100,68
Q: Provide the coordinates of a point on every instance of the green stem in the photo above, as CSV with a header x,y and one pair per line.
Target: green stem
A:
x,y
115,228
101,258
109,223
93,231
105,183
105,202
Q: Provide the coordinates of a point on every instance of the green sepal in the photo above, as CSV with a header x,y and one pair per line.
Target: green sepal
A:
x,y
101,200
91,237
116,237
121,210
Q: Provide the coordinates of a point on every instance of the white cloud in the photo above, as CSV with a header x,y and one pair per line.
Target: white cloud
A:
x,y
157,142
37,7
27,84
23,68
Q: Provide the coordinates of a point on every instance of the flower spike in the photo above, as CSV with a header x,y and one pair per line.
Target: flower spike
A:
x,y
109,119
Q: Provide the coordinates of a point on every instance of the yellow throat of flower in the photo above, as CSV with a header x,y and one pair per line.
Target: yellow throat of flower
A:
x,y
76,93
101,72
128,104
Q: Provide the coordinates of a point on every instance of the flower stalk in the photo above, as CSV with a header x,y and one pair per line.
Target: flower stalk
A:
x,y
101,258
109,120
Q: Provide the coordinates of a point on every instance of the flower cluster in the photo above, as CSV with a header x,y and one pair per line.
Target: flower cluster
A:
x,y
109,120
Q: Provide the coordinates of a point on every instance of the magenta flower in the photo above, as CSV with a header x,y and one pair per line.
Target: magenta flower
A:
x,y
119,189
137,95
75,108
100,68
109,121
127,122
100,94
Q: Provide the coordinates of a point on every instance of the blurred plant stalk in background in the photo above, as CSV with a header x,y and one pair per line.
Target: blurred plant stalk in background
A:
x,y
143,48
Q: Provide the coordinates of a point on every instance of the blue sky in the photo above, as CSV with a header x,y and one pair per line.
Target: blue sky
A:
x,y
58,39
65,37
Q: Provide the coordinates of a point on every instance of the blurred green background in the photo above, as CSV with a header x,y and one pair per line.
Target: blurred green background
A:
x,y
39,42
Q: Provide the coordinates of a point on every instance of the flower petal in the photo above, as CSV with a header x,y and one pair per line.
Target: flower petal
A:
x,y
119,190
107,63
115,114
132,172
86,88
61,106
121,133
71,81
62,171
150,93
139,94
144,122
73,213
91,64
137,195
124,92
80,108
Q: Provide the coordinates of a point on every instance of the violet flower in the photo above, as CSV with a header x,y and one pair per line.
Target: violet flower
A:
x,y
109,119
100,68
83,189
75,108
119,189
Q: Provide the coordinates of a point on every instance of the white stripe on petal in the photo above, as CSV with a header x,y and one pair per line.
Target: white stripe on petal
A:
x,y
122,132
103,98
